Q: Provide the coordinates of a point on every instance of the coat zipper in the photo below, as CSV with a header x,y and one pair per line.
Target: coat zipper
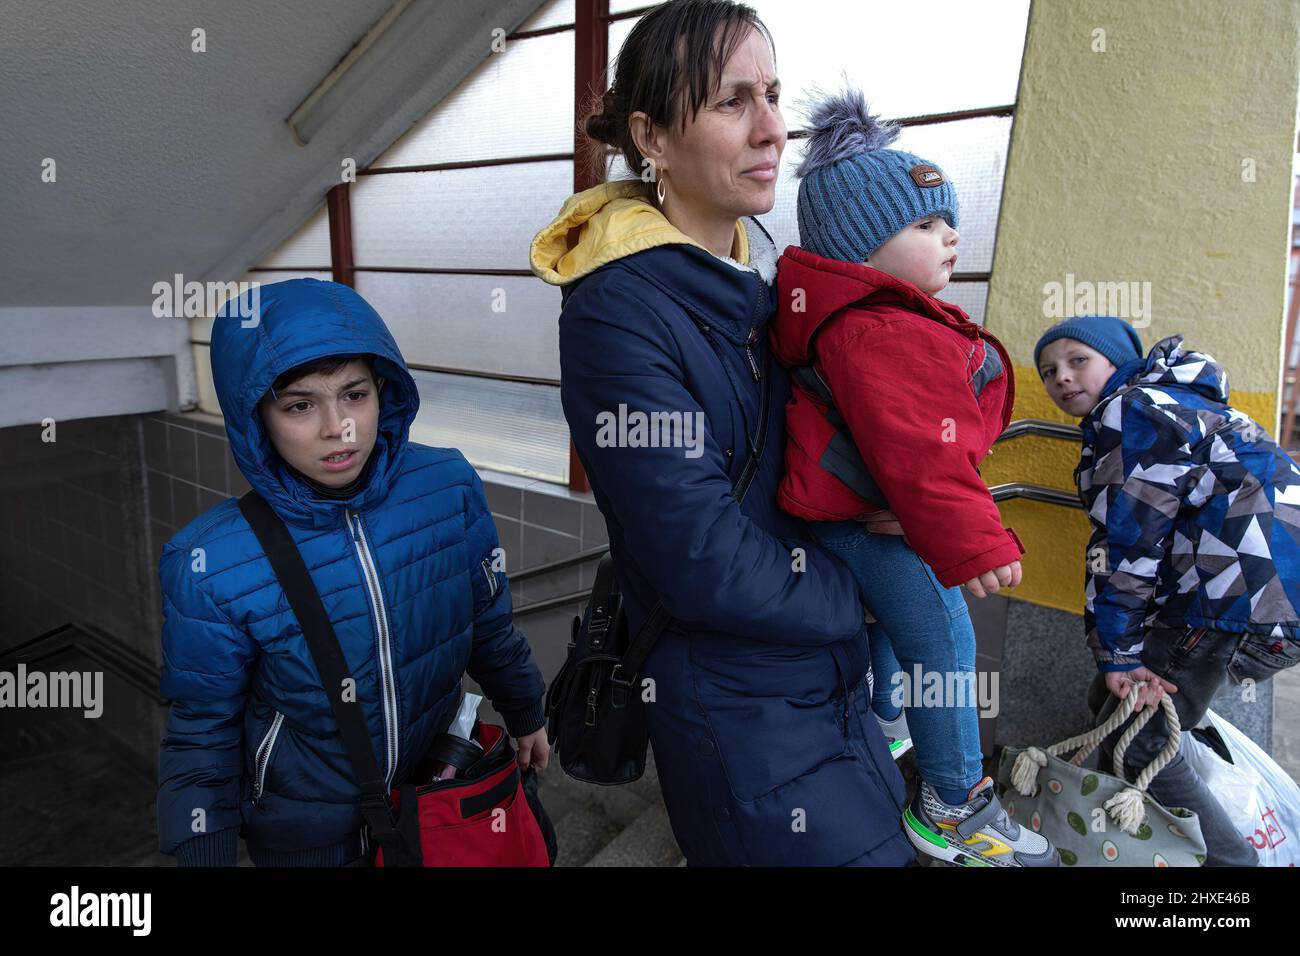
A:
x,y
385,650
263,756
749,353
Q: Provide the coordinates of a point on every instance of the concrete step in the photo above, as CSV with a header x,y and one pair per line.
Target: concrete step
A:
x,y
647,841
582,833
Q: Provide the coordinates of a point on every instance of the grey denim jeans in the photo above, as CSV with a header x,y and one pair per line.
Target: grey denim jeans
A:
x,y
1200,662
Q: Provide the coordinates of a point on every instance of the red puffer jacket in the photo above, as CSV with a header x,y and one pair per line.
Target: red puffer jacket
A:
x,y
919,397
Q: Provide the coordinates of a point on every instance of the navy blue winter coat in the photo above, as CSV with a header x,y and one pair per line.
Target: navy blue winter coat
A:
x,y
252,746
765,748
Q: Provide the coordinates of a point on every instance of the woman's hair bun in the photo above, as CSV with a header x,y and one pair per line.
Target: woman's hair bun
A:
x,y
842,125
599,126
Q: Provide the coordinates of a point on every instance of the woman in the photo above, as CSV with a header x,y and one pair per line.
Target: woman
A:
x,y
766,749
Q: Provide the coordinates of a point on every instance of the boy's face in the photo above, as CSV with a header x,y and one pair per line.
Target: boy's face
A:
x,y
325,425
1074,375
924,254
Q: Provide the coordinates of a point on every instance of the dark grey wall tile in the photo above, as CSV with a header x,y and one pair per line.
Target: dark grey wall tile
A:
x,y
209,499
503,500
182,453
540,545
552,584
548,511
508,536
160,497
594,532
236,481
155,444
185,502
212,462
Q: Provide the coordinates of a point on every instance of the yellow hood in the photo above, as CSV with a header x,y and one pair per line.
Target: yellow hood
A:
x,y
605,223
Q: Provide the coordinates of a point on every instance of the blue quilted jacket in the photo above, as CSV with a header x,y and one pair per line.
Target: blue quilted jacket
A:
x,y
1195,510
404,570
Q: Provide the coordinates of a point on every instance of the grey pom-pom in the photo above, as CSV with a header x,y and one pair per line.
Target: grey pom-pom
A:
x,y
842,126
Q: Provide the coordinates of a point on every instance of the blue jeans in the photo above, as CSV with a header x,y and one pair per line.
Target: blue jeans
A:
x,y
920,624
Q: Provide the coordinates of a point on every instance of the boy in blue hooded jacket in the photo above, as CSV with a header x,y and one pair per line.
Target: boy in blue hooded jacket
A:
x,y
1193,568
399,542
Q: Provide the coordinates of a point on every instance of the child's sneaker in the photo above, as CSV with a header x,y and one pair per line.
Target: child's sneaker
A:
x,y
896,734
975,833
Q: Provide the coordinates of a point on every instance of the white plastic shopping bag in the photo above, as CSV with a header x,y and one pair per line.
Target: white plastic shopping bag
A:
x,y
1258,795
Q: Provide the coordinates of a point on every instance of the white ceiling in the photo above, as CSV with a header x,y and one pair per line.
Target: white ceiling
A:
x,y
169,160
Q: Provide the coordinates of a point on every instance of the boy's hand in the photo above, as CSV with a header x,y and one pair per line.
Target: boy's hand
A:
x,y
534,750
1007,576
1120,683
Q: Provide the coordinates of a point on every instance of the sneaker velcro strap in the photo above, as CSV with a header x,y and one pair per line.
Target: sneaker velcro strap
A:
x,y
977,820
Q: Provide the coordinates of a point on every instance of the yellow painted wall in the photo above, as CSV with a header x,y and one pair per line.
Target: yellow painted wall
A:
x,y
1128,162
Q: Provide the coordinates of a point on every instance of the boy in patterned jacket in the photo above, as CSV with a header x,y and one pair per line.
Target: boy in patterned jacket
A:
x,y
1193,569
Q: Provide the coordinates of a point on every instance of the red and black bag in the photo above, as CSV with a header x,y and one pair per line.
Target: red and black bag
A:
x,y
489,815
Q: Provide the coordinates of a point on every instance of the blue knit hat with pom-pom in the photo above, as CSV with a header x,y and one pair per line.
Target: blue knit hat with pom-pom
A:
x,y
854,194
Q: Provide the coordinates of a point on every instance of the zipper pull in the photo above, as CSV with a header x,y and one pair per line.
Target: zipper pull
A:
x,y
591,708
749,353
351,527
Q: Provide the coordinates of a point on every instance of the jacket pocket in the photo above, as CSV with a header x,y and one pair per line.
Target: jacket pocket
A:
x,y
262,758
774,714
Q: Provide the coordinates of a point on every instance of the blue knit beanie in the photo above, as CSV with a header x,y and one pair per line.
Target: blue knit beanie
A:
x,y
1113,338
855,195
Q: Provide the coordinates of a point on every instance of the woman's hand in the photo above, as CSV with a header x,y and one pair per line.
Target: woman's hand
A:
x,y
1120,683
533,750
1007,576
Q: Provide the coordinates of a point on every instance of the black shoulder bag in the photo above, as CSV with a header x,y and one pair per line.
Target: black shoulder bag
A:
x,y
596,718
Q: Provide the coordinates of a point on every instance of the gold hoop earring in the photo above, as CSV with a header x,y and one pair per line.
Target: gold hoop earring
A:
x,y
661,191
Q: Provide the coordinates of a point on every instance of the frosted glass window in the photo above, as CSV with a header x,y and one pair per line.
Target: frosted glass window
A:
x,y
308,248
451,321
958,55
483,218
969,297
973,154
518,103
556,13
622,6
505,426
618,31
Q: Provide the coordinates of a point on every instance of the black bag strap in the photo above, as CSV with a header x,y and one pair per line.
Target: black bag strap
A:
x,y
625,671
286,560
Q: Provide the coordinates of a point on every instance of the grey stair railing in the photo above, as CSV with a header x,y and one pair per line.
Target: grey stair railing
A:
x,y
1016,489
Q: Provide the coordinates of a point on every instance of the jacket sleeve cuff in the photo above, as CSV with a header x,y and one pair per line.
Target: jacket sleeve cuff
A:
x,y
1108,660
209,849
997,557
521,723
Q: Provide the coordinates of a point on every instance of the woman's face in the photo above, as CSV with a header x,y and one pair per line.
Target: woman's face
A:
x,y
724,165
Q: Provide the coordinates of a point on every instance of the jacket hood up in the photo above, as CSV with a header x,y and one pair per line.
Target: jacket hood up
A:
x,y
299,321
1168,363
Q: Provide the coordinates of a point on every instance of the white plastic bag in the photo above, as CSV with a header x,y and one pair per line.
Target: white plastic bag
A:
x,y
1262,801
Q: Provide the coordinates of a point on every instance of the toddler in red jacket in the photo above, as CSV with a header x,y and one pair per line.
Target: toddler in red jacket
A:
x,y
897,397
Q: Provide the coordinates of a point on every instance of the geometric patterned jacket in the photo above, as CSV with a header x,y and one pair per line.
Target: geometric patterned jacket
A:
x,y
1195,510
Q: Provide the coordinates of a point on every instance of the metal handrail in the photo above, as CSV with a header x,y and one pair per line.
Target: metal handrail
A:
x,y
1040,426
1004,492
579,558
1020,489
